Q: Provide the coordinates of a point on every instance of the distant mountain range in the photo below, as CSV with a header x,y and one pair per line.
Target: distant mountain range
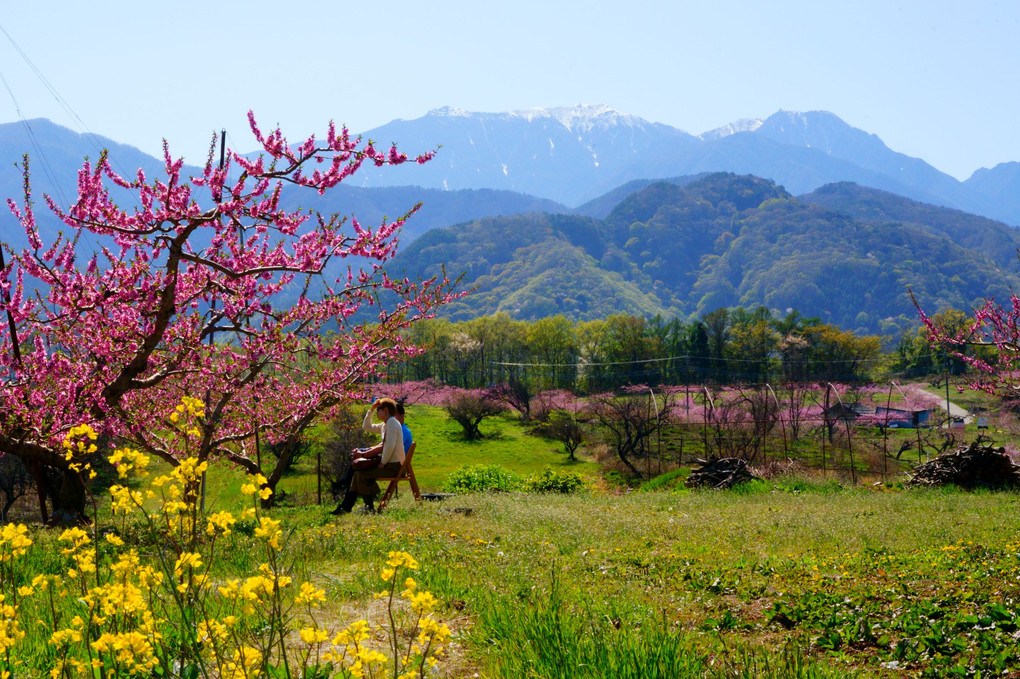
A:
x,y
652,227
569,157
845,253
573,155
57,153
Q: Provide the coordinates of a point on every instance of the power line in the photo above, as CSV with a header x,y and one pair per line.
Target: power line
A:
x,y
32,139
688,357
83,128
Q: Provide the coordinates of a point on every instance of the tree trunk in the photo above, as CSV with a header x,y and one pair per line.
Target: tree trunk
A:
x,y
39,475
68,497
623,458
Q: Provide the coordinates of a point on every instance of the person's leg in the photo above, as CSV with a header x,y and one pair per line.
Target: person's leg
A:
x,y
346,504
364,482
351,482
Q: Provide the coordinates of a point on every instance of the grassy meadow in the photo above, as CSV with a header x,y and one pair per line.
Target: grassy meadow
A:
x,y
791,577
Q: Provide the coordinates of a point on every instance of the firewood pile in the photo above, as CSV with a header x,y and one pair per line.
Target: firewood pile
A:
x,y
723,472
978,465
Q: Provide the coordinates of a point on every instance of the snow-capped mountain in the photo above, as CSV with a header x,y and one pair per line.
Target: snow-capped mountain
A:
x,y
573,154
742,125
582,118
564,152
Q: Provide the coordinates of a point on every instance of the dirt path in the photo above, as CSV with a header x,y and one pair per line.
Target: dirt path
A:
x,y
954,410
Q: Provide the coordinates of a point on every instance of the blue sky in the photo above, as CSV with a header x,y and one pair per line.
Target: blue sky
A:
x,y
936,80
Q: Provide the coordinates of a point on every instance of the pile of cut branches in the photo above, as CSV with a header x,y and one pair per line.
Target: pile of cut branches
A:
x,y
978,465
723,472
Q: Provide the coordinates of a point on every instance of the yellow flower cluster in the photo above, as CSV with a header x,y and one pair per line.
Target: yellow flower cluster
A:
x,y
127,460
186,572
80,440
188,406
189,470
270,531
10,630
186,413
131,652
246,664
120,634
258,488
84,559
348,649
14,541
123,607
401,559
123,499
221,521
255,590
78,443
310,595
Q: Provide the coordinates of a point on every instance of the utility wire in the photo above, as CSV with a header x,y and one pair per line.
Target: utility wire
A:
x,y
83,128
33,140
687,357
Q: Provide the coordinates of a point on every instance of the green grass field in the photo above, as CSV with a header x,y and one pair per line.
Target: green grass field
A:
x,y
793,577
441,449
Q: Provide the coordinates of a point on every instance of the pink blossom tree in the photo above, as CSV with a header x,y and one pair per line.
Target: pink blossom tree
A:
x,y
988,342
205,291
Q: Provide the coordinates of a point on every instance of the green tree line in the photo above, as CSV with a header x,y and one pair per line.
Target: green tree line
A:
x,y
725,346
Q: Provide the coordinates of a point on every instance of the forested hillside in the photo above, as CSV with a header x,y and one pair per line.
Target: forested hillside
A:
x,y
844,254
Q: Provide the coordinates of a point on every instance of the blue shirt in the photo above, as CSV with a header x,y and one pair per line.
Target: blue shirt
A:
x,y
407,438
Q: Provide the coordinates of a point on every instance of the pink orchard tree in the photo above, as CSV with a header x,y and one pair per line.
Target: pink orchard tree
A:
x,y
988,342
183,304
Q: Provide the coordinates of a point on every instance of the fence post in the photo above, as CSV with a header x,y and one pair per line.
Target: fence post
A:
x,y
849,439
885,434
825,426
782,424
709,404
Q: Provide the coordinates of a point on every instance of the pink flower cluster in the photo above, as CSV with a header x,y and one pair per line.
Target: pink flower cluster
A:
x,y
182,297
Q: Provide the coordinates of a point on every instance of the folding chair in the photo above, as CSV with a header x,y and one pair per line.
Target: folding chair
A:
x,y
406,473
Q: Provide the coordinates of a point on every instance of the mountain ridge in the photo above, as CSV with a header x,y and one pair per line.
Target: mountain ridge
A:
x,y
845,253
532,151
572,155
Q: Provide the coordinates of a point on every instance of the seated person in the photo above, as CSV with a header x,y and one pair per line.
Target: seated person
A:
x,y
391,452
368,426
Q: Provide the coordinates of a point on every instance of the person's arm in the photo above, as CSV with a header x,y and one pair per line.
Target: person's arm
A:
x,y
367,452
370,427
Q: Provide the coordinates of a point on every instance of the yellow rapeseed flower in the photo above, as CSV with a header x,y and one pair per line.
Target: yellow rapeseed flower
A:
x,y
220,520
309,594
313,635
76,536
423,602
245,664
270,530
190,560
398,559
14,541
353,635
127,460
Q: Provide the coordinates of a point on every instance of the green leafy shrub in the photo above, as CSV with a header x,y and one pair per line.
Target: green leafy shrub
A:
x,y
480,477
553,481
616,479
671,480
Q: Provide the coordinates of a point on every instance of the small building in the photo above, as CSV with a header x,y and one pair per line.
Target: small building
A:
x,y
903,419
847,412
